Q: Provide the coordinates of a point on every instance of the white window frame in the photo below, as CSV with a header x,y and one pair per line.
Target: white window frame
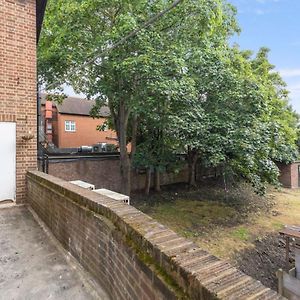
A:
x,y
49,128
70,126
105,127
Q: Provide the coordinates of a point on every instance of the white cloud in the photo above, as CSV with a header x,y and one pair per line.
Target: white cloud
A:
x,y
290,72
295,95
295,87
259,12
257,7
297,43
294,91
295,98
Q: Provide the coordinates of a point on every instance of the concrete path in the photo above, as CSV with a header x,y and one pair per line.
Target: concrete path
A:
x,y
34,267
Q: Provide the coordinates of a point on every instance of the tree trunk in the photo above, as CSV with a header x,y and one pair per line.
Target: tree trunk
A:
x,y
134,134
133,144
157,181
192,161
148,181
125,166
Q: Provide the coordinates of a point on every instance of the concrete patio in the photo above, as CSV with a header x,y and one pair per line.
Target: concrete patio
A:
x,y
34,266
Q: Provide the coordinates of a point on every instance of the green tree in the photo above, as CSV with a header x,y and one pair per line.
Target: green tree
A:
x,y
241,119
77,29
227,102
157,148
281,117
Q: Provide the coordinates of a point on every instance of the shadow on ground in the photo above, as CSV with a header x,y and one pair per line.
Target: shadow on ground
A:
x,y
202,208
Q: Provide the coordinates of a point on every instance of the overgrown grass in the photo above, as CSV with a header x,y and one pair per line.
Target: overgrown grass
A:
x,y
221,222
241,233
193,216
237,225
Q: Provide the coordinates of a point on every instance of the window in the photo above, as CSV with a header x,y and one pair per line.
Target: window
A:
x,y
105,127
70,126
49,128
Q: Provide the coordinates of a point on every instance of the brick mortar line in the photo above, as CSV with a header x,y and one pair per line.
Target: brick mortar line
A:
x,y
129,242
139,241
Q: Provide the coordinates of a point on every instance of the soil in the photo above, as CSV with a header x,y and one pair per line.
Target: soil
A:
x,y
262,261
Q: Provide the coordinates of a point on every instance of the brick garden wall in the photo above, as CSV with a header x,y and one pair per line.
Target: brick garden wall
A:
x,y
294,175
18,80
131,254
289,174
285,175
105,173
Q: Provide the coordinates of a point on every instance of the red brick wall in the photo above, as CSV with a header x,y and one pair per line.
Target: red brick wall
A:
x,y
289,175
285,175
105,173
54,121
86,133
131,254
18,80
294,175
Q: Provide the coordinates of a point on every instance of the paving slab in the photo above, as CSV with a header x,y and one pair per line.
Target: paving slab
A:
x,y
32,265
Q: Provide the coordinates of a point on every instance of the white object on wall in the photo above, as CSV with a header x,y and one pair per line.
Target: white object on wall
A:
x,y
83,184
113,195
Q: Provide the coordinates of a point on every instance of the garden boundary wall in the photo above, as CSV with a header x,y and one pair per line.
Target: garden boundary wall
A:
x,y
289,174
129,253
103,171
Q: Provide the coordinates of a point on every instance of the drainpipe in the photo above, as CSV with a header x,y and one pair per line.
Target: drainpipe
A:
x,y
38,114
45,163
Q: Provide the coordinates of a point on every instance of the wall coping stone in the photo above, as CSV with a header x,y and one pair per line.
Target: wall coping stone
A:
x,y
199,274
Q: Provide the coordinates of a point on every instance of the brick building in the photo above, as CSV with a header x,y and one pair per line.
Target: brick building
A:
x,y
20,25
69,124
289,175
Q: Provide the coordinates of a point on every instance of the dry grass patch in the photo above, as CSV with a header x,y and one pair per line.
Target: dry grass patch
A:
x,y
238,225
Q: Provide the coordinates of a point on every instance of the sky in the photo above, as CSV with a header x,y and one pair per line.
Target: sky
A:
x,y
274,24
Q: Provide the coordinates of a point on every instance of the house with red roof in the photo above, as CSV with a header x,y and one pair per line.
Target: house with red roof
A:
x,y
70,125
